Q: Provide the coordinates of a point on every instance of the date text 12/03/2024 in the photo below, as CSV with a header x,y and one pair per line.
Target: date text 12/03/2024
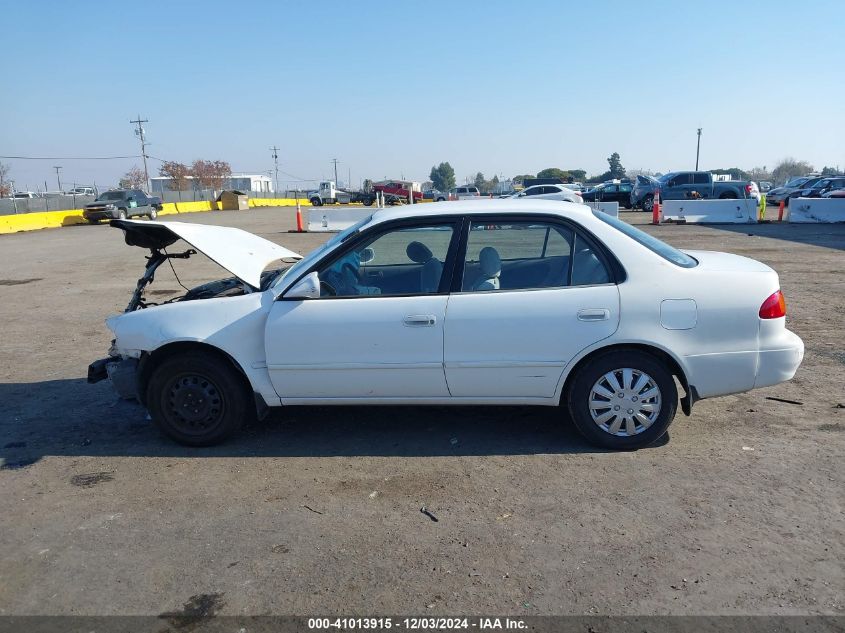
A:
x,y
417,624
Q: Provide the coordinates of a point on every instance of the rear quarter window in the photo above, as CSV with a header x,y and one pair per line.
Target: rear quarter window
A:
x,y
669,253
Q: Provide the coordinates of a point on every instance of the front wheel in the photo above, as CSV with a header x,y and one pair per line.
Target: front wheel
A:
x,y
121,215
153,214
648,203
197,399
623,400
316,202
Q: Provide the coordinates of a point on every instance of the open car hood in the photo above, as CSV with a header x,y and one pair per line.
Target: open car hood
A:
x,y
243,254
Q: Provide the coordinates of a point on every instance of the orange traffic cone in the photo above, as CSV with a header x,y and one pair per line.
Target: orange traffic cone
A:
x,y
655,208
780,210
299,228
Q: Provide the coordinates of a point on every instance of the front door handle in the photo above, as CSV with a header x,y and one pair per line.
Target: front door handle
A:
x,y
594,314
420,320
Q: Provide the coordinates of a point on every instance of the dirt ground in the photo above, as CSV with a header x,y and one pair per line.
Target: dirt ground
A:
x,y
317,510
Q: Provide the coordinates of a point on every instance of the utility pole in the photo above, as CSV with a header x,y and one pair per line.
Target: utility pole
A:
x,y
334,160
139,132
58,178
697,149
275,151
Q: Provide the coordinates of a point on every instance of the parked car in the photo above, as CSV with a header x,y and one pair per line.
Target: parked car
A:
x,y
82,191
25,195
549,303
121,204
396,191
549,192
765,186
781,194
835,193
819,187
611,192
682,185
464,193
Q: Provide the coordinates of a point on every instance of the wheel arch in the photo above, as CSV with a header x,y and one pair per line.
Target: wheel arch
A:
x,y
149,361
662,354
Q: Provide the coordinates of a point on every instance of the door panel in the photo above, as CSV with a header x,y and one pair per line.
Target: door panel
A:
x,y
517,343
368,347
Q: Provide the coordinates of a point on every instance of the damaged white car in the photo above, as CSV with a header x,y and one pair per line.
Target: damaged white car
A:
x,y
494,302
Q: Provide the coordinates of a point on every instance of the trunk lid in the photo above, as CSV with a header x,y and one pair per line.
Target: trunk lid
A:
x,y
727,262
241,253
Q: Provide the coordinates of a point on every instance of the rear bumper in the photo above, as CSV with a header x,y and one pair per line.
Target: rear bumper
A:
x,y
780,364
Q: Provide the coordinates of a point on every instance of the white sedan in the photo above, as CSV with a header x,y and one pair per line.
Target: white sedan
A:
x,y
549,192
495,302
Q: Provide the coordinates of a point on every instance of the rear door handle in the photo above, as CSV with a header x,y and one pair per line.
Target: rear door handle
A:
x,y
594,314
420,320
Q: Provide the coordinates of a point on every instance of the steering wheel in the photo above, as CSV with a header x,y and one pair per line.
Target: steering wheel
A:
x,y
328,288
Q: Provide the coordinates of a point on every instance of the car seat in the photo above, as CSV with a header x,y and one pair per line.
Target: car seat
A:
x,y
491,267
432,268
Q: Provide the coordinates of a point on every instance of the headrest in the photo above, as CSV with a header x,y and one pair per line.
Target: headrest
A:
x,y
490,262
418,252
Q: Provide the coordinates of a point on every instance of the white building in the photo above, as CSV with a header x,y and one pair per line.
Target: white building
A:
x,y
242,182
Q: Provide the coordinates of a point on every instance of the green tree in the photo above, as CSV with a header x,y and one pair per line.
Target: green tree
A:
x,y
616,169
443,177
577,174
553,172
790,168
520,179
5,185
480,182
830,171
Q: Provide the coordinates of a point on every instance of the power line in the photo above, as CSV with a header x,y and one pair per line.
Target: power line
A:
x,y
68,157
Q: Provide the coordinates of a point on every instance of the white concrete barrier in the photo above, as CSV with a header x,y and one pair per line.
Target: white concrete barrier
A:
x,y
825,210
611,208
332,219
741,211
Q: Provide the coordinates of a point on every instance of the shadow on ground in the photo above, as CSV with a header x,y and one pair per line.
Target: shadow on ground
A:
x,y
72,418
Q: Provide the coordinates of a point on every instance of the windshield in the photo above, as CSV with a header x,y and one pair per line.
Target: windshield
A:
x,y
310,258
653,244
111,195
795,182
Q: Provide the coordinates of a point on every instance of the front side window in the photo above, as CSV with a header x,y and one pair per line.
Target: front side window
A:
x,y
528,255
399,262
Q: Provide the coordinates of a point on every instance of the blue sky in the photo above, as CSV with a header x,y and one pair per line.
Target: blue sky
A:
x,y
391,88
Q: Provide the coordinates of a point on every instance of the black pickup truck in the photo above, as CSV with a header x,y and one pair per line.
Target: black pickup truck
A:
x,y
119,204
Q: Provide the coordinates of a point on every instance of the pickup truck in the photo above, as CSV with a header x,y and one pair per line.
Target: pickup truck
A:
x,y
119,204
396,191
686,185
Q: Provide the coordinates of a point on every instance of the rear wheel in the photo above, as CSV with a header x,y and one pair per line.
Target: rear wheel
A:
x,y
623,400
648,203
153,214
197,399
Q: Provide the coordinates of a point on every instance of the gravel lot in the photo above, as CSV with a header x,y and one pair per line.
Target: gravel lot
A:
x,y
317,511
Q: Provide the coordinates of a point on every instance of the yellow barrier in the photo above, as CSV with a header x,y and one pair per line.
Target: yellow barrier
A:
x,y
53,219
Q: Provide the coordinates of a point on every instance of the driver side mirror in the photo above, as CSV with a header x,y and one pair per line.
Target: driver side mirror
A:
x,y
367,255
306,288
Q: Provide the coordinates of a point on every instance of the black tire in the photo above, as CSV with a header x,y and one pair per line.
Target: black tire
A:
x,y
121,214
93,221
648,204
368,202
581,387
153,214
316,202
219,400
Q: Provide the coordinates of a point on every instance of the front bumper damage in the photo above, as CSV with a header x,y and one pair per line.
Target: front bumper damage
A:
x,y
122,372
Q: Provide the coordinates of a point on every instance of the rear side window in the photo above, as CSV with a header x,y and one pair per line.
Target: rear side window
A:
x,y
653,244
701,179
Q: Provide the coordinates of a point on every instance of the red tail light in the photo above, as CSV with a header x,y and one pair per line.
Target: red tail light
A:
x,y
774,307
748,188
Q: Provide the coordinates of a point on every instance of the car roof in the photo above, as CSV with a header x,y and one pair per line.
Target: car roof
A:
x,y
483,206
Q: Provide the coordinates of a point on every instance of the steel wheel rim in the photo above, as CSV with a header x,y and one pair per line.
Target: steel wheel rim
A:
x,y
194,404
625,402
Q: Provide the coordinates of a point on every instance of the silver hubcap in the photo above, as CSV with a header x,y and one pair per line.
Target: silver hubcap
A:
x,y
625,402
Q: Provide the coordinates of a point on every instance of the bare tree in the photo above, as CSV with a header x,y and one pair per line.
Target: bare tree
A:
x,y
177,173
5,185
790,168
211,174
133,179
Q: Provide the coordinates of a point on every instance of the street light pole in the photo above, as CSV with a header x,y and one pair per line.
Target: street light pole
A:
x,y
58,178
697,149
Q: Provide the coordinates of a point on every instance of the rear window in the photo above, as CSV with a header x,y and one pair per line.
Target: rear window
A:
x,y
653,244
